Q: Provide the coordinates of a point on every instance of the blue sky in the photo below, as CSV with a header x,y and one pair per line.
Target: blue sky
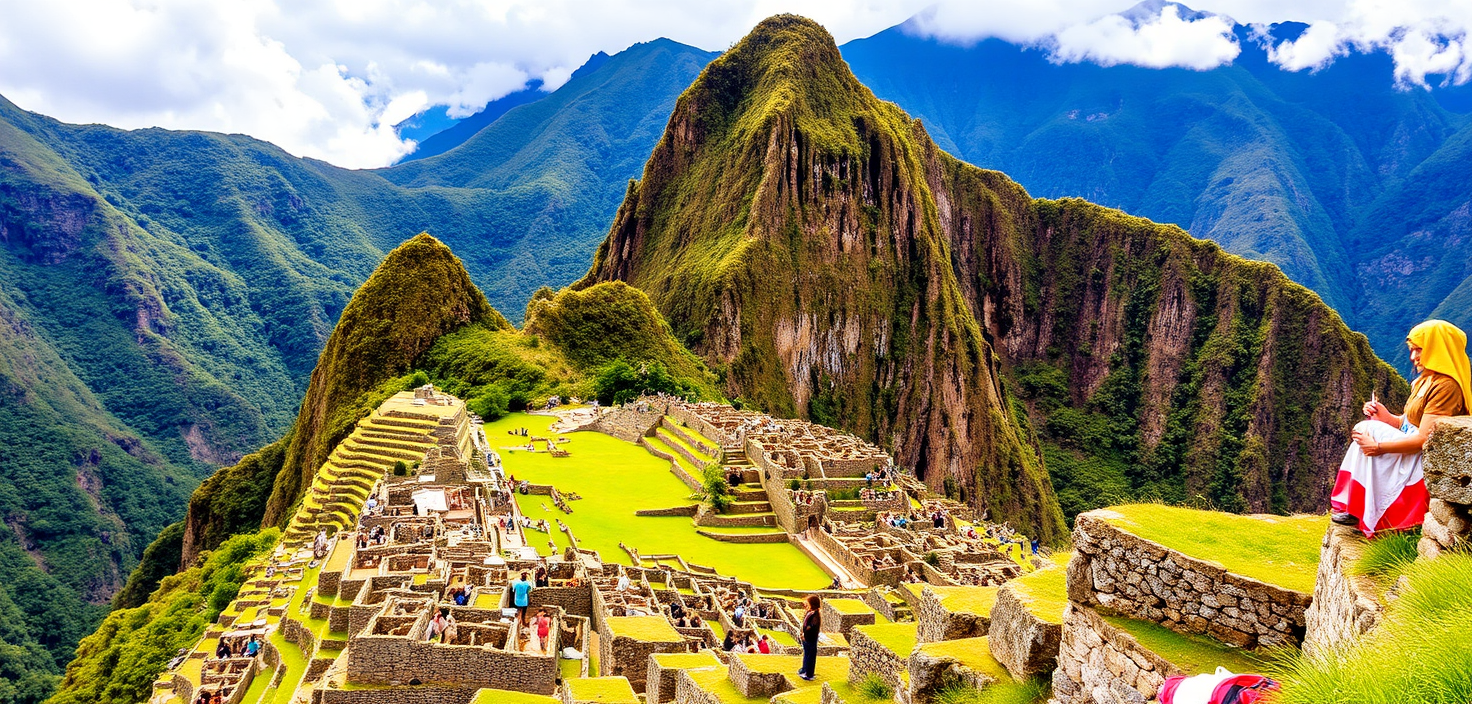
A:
x,y
330,78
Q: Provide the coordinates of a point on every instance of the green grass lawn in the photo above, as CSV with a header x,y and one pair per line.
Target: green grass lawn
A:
x,y
850,606
602,689
966,600
1193,653
646,628
898,637
1278,550
1045,591
501,696
616,478
974,653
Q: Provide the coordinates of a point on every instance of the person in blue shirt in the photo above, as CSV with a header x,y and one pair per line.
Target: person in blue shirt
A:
x,y
253,647
520,591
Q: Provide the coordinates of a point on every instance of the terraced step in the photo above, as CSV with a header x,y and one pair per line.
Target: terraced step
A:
x,y
357,445
779,536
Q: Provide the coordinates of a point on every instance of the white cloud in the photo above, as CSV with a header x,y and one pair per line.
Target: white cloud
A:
x,y
1163,41
329,78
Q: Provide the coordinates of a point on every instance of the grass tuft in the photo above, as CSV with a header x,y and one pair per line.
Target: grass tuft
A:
x,y
1419,654
1387,556
873,687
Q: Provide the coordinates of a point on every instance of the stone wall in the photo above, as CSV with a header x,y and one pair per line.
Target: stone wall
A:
x,y
577,601
1448,467
628,657
1025,644
1345,605
836,621
688,692
627,423
1100,664
388,660
935,622
423,694
929,673
660,681
756,684
1143,579
868,656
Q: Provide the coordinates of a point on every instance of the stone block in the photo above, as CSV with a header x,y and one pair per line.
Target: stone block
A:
x,y
1025,644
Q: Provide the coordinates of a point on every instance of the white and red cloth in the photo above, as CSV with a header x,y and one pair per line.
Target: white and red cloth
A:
x,y
1220,687
1386,492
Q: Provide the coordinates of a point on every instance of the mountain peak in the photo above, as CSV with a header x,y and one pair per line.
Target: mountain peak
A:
x,y
1150,10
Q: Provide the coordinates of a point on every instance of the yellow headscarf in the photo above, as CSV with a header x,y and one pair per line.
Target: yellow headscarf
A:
x,y
1444,350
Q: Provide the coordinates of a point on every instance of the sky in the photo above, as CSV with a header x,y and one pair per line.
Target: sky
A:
x,y
329,79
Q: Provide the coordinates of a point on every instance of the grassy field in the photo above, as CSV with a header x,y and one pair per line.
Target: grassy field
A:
x,y
1192,653
1279,550
616,478
1046,590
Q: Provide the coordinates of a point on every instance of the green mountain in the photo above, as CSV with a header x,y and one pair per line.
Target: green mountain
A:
x,y
1331,174
417,319
814,244
166,296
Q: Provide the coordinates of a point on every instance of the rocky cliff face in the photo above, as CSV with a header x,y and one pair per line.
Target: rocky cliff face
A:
x,y
787,227
816,244
419,293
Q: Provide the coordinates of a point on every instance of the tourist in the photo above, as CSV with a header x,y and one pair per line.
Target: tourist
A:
x,y
730,643
252,647
542,628
371,505
868,479
1380,485
203,698
319,544
222,650
624,584
447,634
542,580
520,592
738,617
1034,546
696,621
677,611
811,623
437,625
217,698
764,645
462,597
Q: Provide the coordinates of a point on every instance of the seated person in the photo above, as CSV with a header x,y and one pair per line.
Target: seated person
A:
x,y
1380,485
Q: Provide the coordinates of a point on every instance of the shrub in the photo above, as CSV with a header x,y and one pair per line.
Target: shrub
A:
x,y
931,558
492,404
713,484
401,469
1034,691
873,687
794,484
416,380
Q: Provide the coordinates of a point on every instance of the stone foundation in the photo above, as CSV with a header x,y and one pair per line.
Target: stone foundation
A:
x,y
1344,605
1143,579
835,621
935,621
868,656
1025,644
1100,664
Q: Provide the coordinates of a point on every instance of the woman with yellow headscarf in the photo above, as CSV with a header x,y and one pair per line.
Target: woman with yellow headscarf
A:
x,y
1380,484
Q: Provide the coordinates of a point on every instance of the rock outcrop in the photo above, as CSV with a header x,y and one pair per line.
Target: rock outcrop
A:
x,y
1448,465
815,244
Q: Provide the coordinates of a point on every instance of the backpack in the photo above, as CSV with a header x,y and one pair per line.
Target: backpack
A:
x,y
1220,687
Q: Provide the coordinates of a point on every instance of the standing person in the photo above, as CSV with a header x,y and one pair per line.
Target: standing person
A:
x,y
542,580
1380,485
520,591
542,628
437,625
811,623
319,544
448,636
764,645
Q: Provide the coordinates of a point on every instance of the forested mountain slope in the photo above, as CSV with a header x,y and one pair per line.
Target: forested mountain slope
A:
x,y
165,296
1328,174
815,244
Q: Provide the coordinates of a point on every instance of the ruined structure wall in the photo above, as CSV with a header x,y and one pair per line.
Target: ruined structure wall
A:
x,y
1025,644
1448,467
1135,577
386,660
934,622
1345,605
1100,663
868,656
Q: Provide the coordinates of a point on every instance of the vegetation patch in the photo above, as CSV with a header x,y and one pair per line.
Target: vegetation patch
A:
x,y
647,628
1278,550
1196,654
1387,556
1045,591
502,696
899,638
1418,654
614,690
975,653
966,600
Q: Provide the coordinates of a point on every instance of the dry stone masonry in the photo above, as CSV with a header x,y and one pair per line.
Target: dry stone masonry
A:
x,y
1123,573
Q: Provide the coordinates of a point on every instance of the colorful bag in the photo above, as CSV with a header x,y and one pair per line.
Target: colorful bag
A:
x,y
1220,687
